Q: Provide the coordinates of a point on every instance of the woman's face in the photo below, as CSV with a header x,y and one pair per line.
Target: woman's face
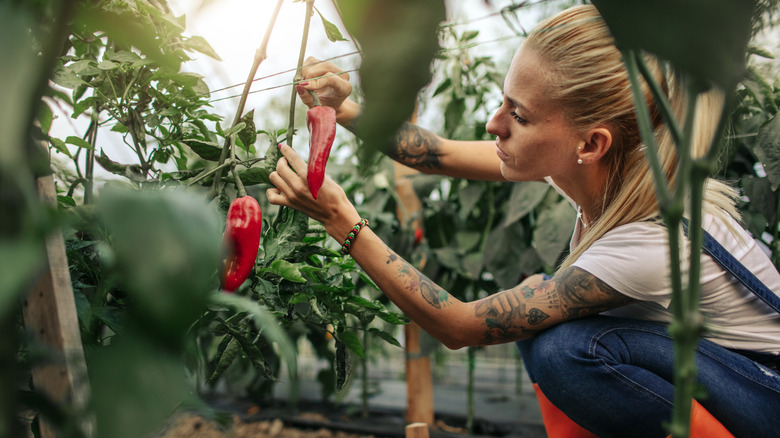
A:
x,y
533,137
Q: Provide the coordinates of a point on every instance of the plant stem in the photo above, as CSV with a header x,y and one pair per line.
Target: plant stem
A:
x,y
206,173
660,99
364,375
646,129
260,56
90,158
298,75
239,184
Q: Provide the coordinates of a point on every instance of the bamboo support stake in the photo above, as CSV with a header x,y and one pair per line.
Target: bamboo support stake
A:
x,y
49,313
417,430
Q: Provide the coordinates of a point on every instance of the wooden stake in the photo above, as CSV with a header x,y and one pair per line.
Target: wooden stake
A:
x,y
419,381
417,430
49,313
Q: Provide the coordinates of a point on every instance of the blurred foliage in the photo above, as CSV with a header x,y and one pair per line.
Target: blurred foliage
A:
x,y
397,40
143,248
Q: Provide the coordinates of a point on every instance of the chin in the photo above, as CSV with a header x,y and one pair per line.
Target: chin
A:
x,y
511,174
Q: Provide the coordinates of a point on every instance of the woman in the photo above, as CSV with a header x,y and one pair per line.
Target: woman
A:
x,y
597,341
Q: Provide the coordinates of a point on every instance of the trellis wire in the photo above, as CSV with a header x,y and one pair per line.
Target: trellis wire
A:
x,y
509,9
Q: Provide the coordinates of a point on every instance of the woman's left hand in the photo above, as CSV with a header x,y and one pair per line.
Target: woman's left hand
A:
x,y
331,208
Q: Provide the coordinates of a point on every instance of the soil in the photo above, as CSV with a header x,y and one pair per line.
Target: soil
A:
x,y
190,425
245,420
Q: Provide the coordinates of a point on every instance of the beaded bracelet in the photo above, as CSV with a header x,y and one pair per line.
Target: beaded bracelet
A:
x,y
351,236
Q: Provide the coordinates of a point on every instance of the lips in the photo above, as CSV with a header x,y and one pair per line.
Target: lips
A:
x,y
501,154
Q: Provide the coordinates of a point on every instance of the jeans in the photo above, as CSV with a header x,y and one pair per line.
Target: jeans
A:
x,y
614,377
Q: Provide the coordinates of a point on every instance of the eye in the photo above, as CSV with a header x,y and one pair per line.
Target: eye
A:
x,y
519,119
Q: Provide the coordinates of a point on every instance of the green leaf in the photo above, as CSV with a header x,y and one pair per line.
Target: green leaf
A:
x,y
265,322
469,35
229,354
45,118
126,29
387,337
443,86
350,340
469,196
248,134
287,270
199,44
524,198
254,176
130,171
762,197
760,51
333,32
705,38
767,149
60,146
205,149
453,114
78,141
509,263
283,239
107,65
362,302
553,231
236,129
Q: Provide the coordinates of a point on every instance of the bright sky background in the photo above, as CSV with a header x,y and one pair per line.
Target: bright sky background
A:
x,y
235,29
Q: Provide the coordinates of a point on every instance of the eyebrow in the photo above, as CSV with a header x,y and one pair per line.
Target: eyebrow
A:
x,y
516,103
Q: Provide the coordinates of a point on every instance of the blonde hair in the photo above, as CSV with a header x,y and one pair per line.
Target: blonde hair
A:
x,y
588,79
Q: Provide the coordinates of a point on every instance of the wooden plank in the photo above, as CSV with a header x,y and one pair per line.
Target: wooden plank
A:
x,y
419,380
417,430
49,312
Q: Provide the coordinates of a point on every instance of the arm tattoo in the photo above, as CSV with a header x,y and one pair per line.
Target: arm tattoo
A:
x,y
582,294
517,313
413,146
416,281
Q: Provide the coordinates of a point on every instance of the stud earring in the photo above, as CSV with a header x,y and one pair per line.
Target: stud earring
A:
x,y
579,160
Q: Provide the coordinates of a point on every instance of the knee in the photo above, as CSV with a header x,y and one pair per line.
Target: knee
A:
x,y
556,348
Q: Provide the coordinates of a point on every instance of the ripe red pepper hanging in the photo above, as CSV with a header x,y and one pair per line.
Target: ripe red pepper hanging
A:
x,y
321,121
241,241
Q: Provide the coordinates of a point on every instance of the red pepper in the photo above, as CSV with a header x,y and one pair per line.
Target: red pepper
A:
x,y
321,121
241,241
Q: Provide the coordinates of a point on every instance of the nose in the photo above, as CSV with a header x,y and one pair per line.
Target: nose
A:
x,y
494,125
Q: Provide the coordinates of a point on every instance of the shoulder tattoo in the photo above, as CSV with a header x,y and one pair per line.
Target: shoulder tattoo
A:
x,y
583,294
520,312
415,147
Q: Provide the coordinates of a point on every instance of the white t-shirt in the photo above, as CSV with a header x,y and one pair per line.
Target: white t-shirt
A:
x,y
634,260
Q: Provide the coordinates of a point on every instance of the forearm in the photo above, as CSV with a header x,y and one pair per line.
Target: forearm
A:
x,y
429,153
436,311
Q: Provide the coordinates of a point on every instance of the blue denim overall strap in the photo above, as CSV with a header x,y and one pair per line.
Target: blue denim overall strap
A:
x,y
737,269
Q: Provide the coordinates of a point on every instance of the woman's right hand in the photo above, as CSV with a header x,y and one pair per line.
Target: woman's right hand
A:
x,y
327,80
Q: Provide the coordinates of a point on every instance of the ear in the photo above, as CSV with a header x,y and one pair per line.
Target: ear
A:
x,y
595,143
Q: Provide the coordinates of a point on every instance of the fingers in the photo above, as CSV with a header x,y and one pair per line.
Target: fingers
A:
x,y
294,160
289,178
314,68
276,197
